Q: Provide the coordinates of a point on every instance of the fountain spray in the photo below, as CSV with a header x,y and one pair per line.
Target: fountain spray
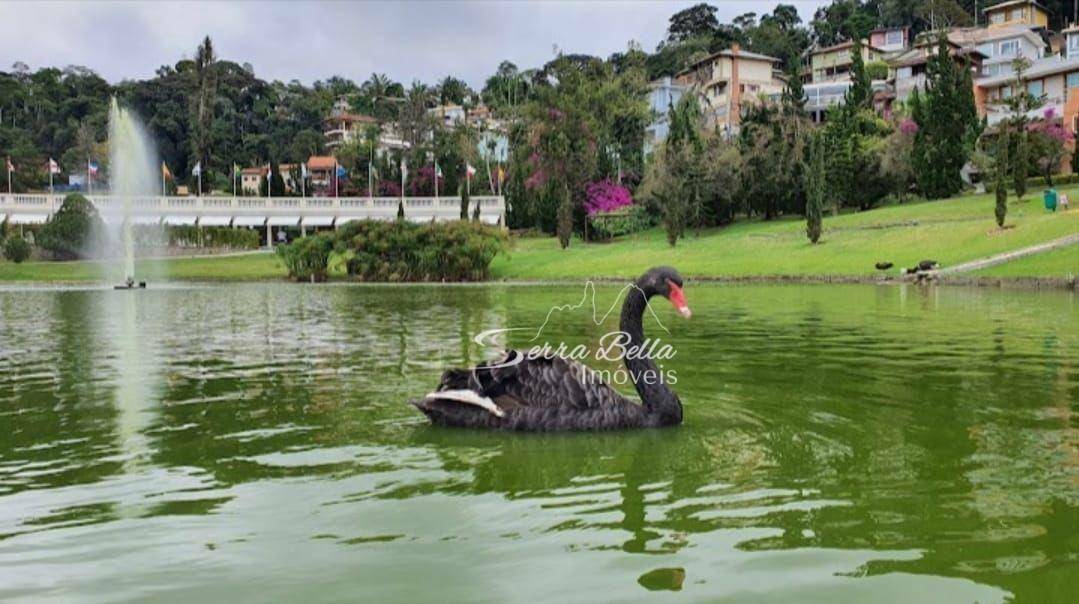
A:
x,y
132,173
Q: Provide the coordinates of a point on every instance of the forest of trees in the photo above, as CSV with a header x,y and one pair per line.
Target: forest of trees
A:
x,y
573,122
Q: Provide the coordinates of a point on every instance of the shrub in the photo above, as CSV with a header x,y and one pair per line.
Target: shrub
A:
x,y
307,258
624,221
16,249
214,237
406,251
71,229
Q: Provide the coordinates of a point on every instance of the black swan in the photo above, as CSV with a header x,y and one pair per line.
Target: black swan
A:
x,y
549,392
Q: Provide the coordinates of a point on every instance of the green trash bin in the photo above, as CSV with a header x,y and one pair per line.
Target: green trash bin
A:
x,y
1051,200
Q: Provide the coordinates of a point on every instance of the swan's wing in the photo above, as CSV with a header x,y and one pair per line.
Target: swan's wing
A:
x,y
542,381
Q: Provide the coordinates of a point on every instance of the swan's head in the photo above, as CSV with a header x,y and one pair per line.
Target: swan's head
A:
x,y
665,281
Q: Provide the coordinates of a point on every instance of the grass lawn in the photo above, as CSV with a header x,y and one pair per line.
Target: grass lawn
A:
x,y
1062,263
949,231
240,267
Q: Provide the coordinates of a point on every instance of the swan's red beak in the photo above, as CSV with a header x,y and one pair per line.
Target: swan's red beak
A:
x,y
678,299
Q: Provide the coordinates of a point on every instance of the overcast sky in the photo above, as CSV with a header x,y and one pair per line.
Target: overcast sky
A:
x,y
423,40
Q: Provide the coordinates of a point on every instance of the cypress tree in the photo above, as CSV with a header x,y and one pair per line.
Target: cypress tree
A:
x,y
1001,209
860,94
948,124
816,189
565,216
464,200
1020,162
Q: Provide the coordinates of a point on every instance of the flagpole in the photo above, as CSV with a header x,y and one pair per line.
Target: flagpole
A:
x,y
370,181
50,176
436,180
162,179
89,181
336,180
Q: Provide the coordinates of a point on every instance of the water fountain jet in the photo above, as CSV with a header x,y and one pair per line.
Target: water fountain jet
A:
x,y
131,173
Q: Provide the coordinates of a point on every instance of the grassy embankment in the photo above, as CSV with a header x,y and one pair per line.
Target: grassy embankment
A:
x,y
950,231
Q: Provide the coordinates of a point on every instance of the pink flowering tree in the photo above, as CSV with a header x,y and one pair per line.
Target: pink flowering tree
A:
x,y
606,196
1049,141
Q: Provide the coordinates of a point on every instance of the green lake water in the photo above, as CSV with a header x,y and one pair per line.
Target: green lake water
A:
x,y
252,443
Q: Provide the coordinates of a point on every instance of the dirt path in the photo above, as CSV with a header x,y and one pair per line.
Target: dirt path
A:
x,y
981,263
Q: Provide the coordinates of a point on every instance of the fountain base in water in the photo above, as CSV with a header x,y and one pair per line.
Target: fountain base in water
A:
x,y
130,284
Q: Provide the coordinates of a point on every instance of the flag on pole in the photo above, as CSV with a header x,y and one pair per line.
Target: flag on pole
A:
x,y
438,170
165,171
197,170
54,168
235,170
469,170
10,166
341,171
303,171
91,168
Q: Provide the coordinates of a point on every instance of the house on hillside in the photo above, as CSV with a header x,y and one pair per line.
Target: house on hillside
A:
x,y
1055,79
251,179
833,63
890,39
663,95
1017,12
341,128
1000,45
728,79
321,169
448,115
908,69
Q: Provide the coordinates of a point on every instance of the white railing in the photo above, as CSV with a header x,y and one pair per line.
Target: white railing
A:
x,y
28,208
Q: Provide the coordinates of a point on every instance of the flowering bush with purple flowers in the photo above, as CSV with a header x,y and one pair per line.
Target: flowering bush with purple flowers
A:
x,y
606,196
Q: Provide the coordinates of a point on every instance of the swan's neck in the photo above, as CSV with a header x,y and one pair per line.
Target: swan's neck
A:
x,y
659,401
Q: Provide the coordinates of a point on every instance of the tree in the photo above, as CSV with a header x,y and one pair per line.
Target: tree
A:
x,y
16,249
1021,103
205,98
697,20
70,233
843,20
816,183
1002,164
948,124
860,94
1020,163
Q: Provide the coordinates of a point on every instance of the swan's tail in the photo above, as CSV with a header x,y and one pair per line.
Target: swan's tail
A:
x,y
429,404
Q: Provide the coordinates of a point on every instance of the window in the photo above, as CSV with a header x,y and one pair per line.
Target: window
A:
x,y
1073,43
893,37
991,70
989,49
1036,88
1005,92
996,18
1009,48
1017,14
904,73
1073,79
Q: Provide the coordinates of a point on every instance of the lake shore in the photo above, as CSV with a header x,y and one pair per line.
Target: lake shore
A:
x,y
954,232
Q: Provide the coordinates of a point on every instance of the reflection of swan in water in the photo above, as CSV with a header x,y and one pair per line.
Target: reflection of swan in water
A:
x,y
547,392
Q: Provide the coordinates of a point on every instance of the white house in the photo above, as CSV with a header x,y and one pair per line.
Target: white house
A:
x,y
663,95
